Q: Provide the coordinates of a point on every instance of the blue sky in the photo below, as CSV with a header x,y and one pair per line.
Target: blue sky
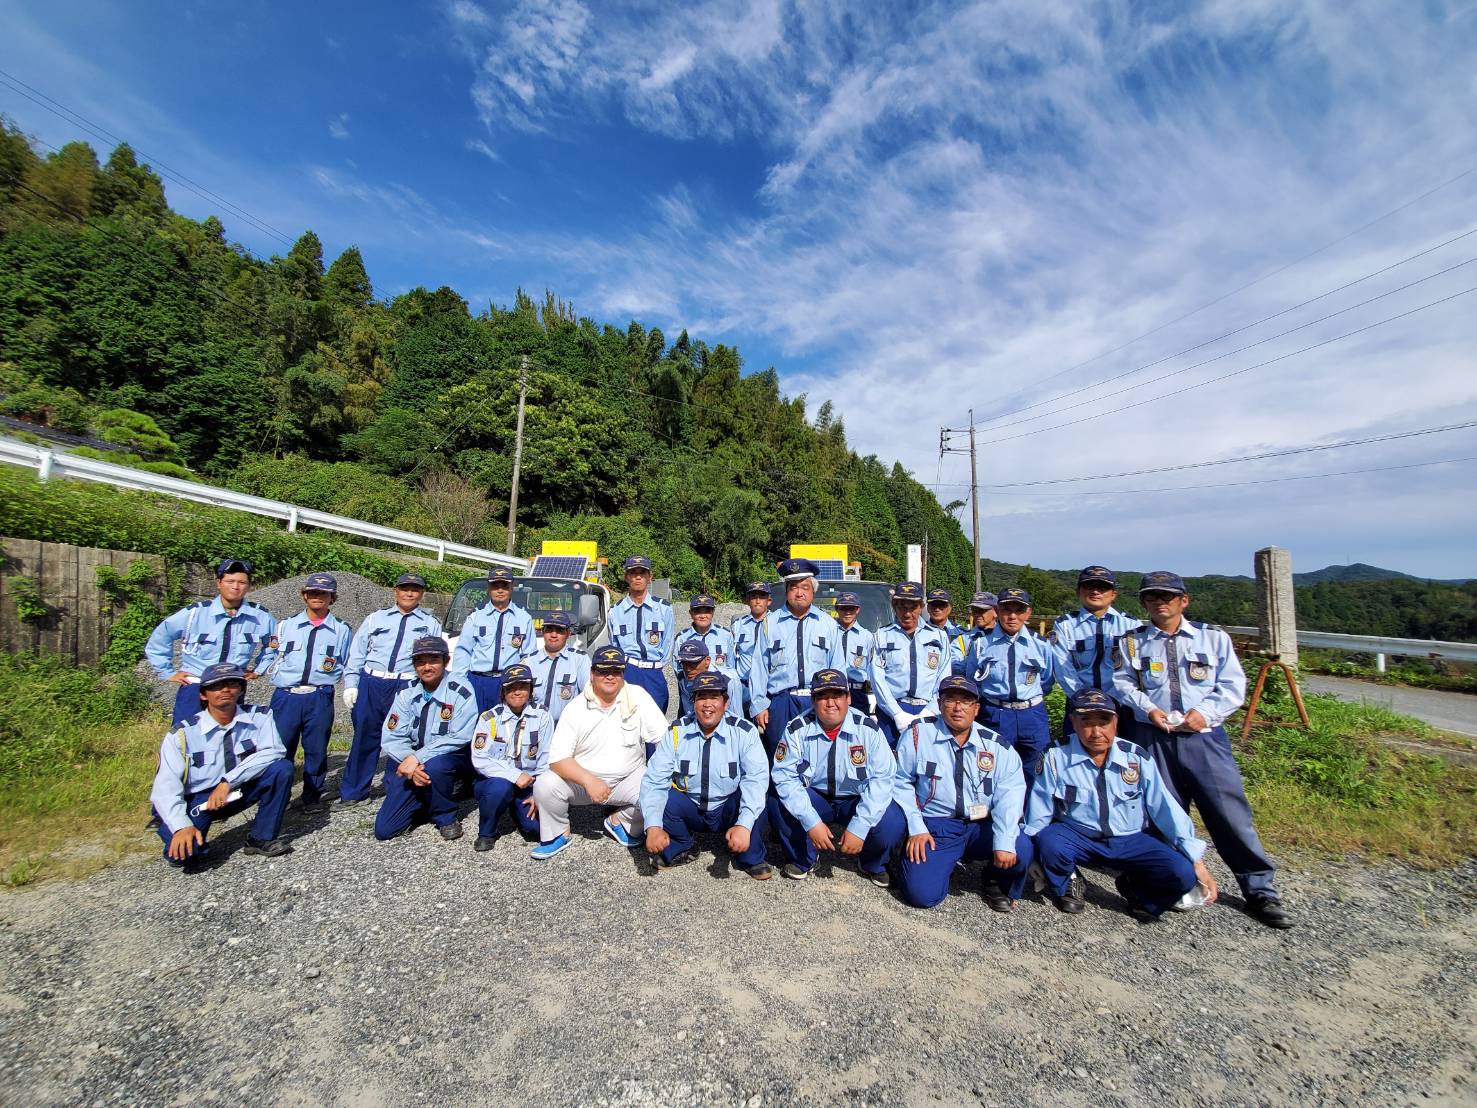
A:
x,y
909,209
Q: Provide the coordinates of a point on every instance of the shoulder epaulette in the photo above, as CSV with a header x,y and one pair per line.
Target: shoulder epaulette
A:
x,y
795,724
197,604
252,604
869,722
662,600
460,689
488,714
1132,748
195,718
745,724
1065,615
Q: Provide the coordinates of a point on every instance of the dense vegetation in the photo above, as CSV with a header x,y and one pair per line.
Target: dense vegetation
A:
x,y
285,377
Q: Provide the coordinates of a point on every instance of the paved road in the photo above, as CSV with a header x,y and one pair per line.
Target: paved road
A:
x,y
1448,711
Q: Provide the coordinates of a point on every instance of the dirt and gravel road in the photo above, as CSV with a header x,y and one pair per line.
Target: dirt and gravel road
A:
x,y
419,972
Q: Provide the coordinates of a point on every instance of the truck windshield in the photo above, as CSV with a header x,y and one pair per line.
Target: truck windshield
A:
x,y
539,595
876,598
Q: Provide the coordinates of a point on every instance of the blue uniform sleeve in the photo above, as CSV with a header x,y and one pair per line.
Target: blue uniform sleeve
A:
x,y
461,654
395,734
1061,650
1009,801
754,767
1041,805
463,722
341,643
1229,691
905,789
269,749
788,785
836,655
1166,814
168,794
657,780
268,653
487,761
877,790
759,669
159,650
1048,665
886,701
358,652
1126,677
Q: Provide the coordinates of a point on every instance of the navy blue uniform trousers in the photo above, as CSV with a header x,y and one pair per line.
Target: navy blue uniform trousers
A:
x,y
488,689
653,681
376,698
309,717
268,790
682,819
783,707
800,851
927,883
406,804
496,795
1158,873
1026,730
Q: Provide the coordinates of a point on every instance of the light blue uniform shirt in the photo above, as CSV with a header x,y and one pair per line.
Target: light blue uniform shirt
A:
x,y
645,631
384,641
722,653
508,745
207,634
201,753
950,629
1012,667
1194,669
906,669
1085,646
430,723
558,678
492,640
708,769
309,655
959,649
858,762
1124,797
943,780
746,631
856,648
791,650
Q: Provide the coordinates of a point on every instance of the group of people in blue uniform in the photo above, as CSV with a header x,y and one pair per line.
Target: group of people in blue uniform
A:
x,y
912,749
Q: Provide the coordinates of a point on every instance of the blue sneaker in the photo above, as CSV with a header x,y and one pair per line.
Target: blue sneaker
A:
x,y
544,851
620,835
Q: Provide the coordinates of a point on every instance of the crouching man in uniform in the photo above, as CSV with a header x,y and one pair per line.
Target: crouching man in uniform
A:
x,y
963,794
1093,804
220,761
510,748
709,775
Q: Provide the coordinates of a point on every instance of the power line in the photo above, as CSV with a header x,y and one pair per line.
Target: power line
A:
x,y
1236,372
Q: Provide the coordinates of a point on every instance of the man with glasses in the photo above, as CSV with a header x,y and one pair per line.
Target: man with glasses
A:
x,y
561,670
495,636
229,630
1182,679
1085,642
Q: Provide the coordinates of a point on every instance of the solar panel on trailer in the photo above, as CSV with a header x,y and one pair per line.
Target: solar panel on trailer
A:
x,y
559,565
830,569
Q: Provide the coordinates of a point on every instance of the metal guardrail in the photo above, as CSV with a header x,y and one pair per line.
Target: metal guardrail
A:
x,y
50,462
1378,645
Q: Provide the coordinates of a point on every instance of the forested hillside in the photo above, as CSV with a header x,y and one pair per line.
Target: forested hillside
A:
x,y
285,377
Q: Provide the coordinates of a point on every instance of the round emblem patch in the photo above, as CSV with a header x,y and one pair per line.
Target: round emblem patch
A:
x,y
780,751
445,712
566,691
856,659
932,658
1198,671
480,743
654,637
533,751
393,722
1131,773
328,665
986,761
1030,676
516,638
858,755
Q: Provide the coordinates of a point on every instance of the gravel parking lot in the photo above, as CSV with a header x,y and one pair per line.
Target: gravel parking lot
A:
x,y
417,971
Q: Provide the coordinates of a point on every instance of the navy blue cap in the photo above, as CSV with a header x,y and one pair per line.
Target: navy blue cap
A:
x,y
829,680
1013,594
232,565
430,644
939,596
608,657
755,587
953,683
1097,573
692,650
1161,580
701,600
413,579
558,620
908,590
221,672
983,600
797,569
517,674
321,582
848,600
710,682
1089,699
638,561
499,573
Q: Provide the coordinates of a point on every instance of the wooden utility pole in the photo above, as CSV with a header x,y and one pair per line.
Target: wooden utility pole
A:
x,y
517,454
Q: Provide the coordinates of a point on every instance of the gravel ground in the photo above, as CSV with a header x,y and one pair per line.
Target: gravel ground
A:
x,y
358,973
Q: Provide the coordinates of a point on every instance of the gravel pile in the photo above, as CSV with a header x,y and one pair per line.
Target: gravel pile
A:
x,y
418,971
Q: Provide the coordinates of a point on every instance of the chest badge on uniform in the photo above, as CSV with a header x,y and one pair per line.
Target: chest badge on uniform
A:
x,y
858,755
722,658
654,637
1199,671
1156,667
516,638
393,722
566,691
328,664
780,751
1131,773
445,713
480,743
932,658
986,761
272,643
533,748
856,659
1030,676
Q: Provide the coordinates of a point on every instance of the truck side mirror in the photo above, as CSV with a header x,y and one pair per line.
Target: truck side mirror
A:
x,y
589,610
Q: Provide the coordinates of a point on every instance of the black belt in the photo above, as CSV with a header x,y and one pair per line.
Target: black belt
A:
x,y
486,673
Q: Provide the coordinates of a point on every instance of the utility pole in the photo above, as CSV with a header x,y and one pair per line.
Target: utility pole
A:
x,y
518,454
974,486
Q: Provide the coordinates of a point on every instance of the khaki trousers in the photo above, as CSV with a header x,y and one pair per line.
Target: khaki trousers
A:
x,y
555,796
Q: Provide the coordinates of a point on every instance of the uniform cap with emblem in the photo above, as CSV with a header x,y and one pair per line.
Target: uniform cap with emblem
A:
x,y
984,601
220,673
692,650
829,680
939,596
499,573
558,620
908,590
1091,700
701,601
797,569
608,657
517,674
1013,595
637,561
958,684
232,565
754,588
1161,580
321,582
708,683
848,600
1101,574
410,580
430,644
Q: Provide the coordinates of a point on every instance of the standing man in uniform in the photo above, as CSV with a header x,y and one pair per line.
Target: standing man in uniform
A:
x,y
856,648
495,636
644,628
693,660
561,670
1015,668
1086,641
709,775
909,659
1182,679
794,643
747,630
981,623
313,650
718,640
510,749
963,794
228,629
834,767
379,667
940,608
426,739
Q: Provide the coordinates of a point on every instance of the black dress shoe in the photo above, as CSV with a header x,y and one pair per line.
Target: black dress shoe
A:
x,y
680,860
317,804
1136,907
1269,910
484,842
997,900
451,831
1069,903
270,848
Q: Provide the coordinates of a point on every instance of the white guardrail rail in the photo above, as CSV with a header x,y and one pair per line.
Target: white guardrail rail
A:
x,y
59,463
1378,645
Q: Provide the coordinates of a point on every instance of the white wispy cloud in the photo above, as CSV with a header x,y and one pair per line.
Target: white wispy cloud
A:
x,y
338,126
479,146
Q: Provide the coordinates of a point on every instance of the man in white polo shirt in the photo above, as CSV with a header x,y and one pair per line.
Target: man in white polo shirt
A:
x,y
598,756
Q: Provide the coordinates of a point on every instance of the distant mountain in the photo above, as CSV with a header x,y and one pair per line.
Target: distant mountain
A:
x,y
1359,571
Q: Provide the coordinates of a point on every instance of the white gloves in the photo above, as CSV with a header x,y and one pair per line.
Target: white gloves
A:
x,y
350,697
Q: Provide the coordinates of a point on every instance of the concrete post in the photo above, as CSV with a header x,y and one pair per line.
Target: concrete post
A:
x,y
1276,606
